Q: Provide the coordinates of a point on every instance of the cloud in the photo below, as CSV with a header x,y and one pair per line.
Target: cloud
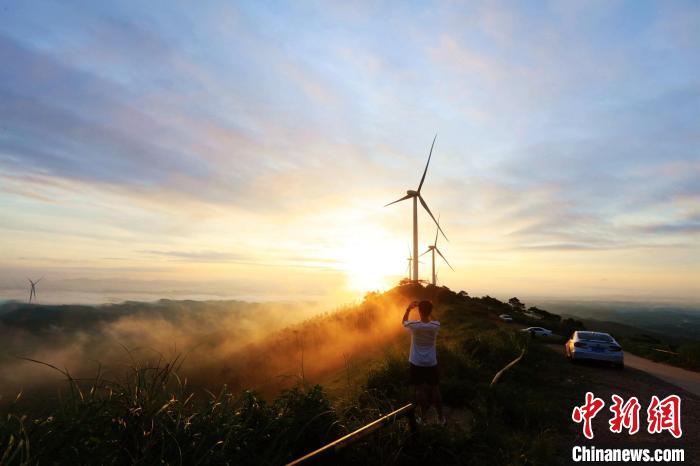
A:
x,y
690,226
278,259
568,247
82,127
600,246
200,256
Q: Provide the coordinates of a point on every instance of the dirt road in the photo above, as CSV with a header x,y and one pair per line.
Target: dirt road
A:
x,y
688,380
683,378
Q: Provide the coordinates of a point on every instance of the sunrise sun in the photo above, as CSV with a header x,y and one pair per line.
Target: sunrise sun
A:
x,y
371,262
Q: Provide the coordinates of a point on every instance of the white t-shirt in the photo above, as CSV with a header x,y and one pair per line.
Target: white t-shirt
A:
x,y
423,337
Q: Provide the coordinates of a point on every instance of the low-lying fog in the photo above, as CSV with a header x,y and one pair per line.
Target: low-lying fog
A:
x,y
225,342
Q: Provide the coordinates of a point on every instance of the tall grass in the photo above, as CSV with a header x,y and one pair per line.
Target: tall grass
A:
x,y
151,416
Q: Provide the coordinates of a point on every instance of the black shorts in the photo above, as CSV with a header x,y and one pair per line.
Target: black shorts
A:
x,y
420,375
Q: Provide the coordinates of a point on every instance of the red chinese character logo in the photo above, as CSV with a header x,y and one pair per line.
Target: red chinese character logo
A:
x,y
587,412
665,415
625,415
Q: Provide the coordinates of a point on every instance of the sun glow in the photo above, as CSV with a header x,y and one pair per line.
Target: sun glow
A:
x,y
372,262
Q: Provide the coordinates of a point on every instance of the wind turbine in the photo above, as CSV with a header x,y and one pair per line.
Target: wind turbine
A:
x,y
417,197
32,290
433,248
410,261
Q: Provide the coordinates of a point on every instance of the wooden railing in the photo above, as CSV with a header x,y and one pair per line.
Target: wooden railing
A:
x,y
334,447
497,377
665,351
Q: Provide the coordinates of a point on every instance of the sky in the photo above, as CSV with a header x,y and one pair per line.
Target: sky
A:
x,y
246,149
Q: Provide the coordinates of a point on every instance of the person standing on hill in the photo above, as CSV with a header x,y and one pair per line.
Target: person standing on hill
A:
x,y
423,373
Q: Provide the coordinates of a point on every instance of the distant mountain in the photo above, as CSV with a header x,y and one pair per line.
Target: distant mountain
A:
x,y
677,323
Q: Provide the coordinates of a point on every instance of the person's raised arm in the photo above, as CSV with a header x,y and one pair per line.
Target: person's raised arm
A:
x,y
408,310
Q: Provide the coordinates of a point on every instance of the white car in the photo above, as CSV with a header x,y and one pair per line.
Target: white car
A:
x,y
594,346
506,318
537,331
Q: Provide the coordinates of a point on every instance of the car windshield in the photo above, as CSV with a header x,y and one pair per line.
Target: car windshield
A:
x,y
592,336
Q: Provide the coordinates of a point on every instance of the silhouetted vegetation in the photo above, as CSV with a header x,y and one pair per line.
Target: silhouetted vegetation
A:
x,y
516,304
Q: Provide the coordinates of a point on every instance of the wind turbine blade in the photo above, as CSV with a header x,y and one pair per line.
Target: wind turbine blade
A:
x,y
426,165
425,206
407,196
443,258
426,252
37,282
436,231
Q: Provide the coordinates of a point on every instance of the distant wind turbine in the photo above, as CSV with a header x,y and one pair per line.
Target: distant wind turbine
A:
x,y
433,248
417,197
32,290
410,260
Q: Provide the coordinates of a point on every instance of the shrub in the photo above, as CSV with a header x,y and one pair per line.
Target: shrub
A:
x,y
494,348
690,355
390,379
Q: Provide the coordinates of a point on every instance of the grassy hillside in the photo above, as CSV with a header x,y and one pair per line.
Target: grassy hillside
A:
x,y
150,413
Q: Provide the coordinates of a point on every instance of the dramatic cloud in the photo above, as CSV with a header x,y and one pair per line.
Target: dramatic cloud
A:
x,y
257,142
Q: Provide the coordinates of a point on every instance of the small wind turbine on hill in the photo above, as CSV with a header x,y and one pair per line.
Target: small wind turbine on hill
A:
x,y
417,197
433,248
32,289
410,261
